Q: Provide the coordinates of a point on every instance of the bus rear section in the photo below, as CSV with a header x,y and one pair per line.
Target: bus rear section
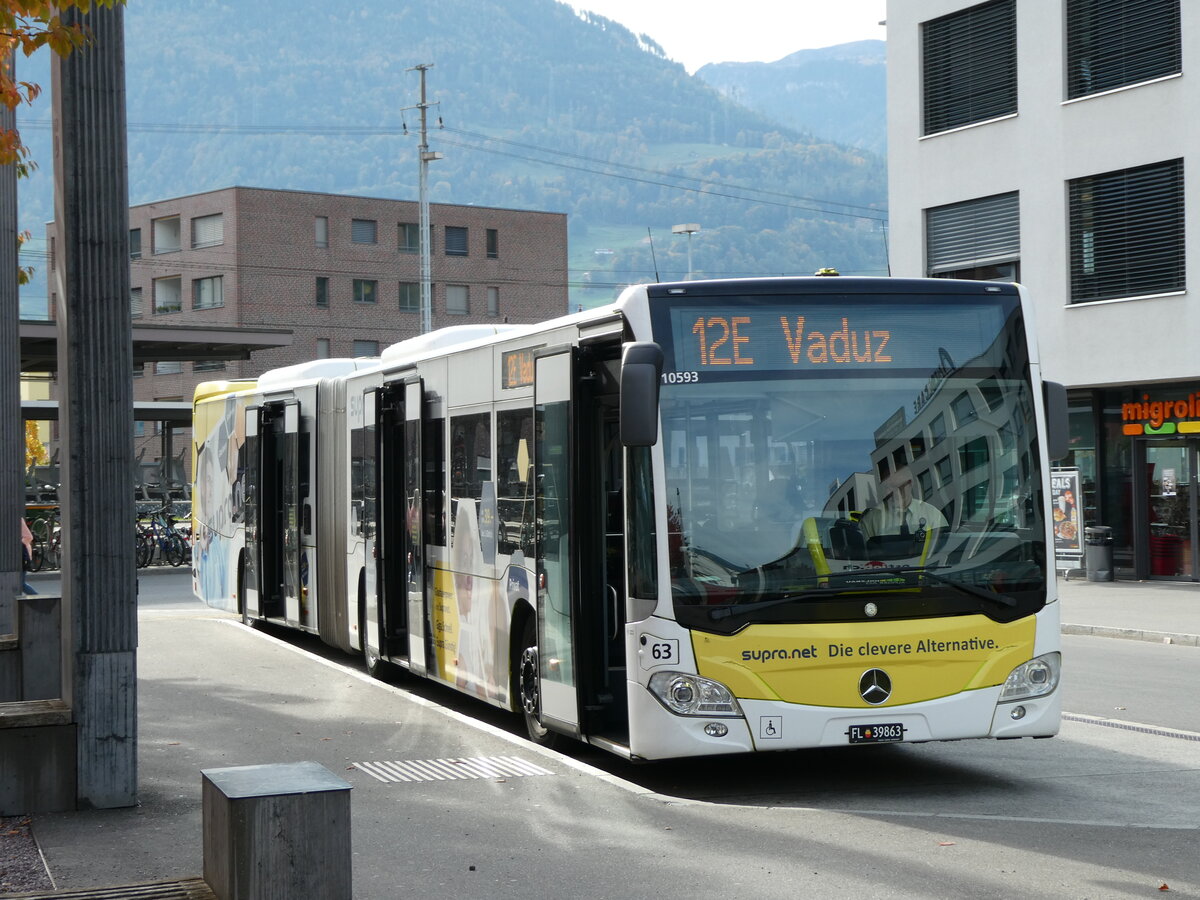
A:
x,y
853,506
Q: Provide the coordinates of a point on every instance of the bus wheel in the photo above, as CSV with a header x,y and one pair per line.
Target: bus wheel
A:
x,y
371,658
527,687
241,592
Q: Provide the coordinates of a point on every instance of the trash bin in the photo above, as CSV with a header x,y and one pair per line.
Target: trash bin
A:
x,y
1098,552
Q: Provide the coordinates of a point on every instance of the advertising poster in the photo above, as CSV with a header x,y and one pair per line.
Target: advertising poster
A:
x,y
1068,521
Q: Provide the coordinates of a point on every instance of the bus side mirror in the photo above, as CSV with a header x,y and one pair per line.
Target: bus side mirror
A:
x,y
641,373
1058,432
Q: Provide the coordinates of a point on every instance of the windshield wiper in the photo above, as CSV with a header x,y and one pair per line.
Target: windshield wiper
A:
x,y
725,612
967,588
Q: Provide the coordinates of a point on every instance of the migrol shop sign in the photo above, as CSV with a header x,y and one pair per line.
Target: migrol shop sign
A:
x,y
1158,416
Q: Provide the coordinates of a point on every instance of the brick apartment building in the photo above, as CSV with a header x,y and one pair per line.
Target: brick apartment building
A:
x,y
342,273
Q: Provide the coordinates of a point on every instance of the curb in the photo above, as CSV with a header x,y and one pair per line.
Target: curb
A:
x,y
1134,634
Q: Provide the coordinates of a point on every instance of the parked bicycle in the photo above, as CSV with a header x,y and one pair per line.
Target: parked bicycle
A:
x,y
159,539
46,552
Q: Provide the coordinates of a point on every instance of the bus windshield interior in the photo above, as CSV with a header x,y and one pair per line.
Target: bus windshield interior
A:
x,y
788,492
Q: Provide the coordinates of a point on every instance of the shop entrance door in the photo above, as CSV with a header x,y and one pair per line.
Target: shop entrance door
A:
x,y
1168,512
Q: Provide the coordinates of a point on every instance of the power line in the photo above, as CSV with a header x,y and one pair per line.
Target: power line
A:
x,y
787,201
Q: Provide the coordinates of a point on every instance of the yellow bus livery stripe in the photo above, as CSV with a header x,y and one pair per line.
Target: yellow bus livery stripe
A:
x,y
820,664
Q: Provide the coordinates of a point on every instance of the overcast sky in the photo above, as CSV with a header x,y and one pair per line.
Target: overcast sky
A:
x,y
695,32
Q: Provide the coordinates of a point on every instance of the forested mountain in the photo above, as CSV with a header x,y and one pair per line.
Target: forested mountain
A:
x,y
836,92
542,108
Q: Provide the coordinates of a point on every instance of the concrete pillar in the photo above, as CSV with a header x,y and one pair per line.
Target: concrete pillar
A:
x,y
95,362
276,832
12,440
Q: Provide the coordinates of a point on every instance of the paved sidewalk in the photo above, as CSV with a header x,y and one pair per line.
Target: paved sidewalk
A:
x,y
1158,611
211,694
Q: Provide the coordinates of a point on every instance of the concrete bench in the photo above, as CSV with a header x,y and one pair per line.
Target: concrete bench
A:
x,y
31,659
37,757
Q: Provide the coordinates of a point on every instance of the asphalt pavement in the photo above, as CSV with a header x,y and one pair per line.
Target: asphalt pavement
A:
x,y
214,694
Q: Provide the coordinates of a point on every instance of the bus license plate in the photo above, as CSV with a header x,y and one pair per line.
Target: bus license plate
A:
x,y
876,734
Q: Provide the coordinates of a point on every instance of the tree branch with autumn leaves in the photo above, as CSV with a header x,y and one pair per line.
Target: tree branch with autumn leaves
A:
x,y
27,26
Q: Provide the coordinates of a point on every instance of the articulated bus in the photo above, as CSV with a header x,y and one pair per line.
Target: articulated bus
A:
x,y
710,517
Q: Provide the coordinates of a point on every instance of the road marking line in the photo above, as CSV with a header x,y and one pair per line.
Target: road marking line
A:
x,y
449,769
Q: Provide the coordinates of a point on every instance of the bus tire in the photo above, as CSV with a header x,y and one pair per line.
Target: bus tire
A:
x,y
371,659
241,590
528,690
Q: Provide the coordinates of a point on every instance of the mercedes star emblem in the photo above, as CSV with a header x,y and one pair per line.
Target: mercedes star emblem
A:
x,y
875,686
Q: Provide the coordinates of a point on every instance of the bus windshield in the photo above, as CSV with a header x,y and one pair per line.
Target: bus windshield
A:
x,y
824,450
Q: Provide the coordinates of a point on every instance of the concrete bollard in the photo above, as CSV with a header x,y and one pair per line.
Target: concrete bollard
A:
x,y
276,832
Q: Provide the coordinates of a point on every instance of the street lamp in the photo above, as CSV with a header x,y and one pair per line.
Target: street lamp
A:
x,y
688,229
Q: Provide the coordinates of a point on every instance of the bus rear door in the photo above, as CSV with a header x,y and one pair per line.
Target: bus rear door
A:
x,y
277,550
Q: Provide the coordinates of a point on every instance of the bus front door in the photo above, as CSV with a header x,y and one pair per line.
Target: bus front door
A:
x,y
553,445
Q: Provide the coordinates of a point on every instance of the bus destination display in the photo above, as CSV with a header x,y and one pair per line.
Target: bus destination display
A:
x,y
716,340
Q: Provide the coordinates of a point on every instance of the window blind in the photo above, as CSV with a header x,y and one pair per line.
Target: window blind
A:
x,y
1111,43
973,233
1127,232
970,66
208,231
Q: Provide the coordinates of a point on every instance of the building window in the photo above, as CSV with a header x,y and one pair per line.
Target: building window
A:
x,y
321,225
1112,43
366,348
1126,233
493,301
323,351
964,410
410,296
970,66
457,299
166,234
979,239
208,293
410,237
365,290
362,231
135,303
456,241
208,231
322,295
139,369
208,365
493,244
167,295
135,243
168,367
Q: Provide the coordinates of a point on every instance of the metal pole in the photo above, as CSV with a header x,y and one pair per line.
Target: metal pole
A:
x,y
423,196
689,229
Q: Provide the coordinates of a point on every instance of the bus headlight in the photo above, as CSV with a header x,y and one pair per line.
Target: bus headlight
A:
x,y
691,695
1035,678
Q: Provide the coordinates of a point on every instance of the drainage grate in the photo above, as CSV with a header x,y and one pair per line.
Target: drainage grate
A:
x,y
451,769
190,889
1133,726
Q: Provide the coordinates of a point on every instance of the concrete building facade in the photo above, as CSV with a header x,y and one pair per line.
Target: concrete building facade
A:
x,y
1057,143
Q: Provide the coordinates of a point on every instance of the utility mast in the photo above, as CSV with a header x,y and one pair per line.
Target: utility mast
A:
x,y
423,192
